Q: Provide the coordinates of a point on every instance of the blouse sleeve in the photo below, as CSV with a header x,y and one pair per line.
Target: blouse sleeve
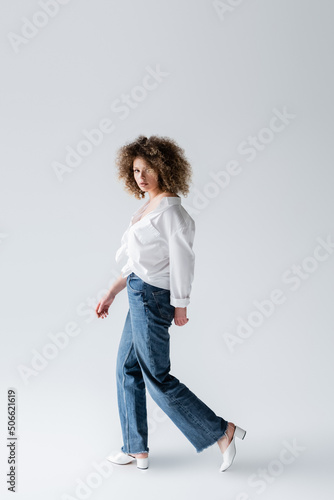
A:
x,y
182,264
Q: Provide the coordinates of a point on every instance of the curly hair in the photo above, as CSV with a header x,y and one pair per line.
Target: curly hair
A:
x,y
164,156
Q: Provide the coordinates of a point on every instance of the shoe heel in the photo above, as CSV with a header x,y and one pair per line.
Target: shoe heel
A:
x,y
142,463
239,432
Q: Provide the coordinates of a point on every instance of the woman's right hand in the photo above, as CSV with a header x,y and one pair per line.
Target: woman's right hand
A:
x,y
180,316
103,306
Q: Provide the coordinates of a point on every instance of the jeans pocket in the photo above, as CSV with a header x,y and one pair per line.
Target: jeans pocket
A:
x,y
135,283
162,300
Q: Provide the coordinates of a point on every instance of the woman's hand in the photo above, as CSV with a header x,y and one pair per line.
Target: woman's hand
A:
x,y
106,301
103,306
180,316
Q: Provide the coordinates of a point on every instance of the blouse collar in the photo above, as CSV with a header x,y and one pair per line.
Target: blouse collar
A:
x,y
164,203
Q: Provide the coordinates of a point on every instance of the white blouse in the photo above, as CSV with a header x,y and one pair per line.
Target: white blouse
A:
x,y
159,248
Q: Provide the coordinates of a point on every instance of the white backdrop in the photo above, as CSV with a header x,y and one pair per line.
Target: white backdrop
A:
x,y
245,87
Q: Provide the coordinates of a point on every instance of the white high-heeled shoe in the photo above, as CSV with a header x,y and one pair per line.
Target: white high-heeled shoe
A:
x,y
121,458
229,453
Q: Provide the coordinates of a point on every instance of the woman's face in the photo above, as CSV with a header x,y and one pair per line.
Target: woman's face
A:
x,y
145,176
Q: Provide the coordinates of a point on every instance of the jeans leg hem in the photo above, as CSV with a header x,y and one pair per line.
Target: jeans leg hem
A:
x,y
135,452
199,450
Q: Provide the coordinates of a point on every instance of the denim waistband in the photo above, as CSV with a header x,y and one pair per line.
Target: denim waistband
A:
x,y
147,285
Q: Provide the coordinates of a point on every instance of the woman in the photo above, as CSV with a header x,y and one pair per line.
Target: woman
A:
x,y
158,273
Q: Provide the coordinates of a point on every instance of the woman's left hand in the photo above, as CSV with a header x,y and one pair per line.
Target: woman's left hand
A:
x,y
180,316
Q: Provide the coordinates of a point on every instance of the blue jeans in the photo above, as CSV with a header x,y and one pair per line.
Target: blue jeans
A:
x,y
143,362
